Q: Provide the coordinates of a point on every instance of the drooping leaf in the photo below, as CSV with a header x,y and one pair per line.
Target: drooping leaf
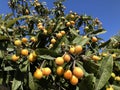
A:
x,y
31,82
73,31
48,57
43,51
104,72
13,21
91,67
116,87
8,68
104,44
57,46
99,31
16,84
87,83
80,41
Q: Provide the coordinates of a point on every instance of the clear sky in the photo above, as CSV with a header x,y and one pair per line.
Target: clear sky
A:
x,y
108,11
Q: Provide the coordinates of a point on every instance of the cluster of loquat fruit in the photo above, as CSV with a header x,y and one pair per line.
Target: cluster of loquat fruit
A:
x,y
31,56
72,75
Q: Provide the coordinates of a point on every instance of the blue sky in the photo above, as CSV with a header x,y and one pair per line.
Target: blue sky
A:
x,y
108,11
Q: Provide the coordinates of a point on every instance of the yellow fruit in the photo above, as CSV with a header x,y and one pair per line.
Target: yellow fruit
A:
x,y
62,32
78,49
67,74
46,71
68,24
86,28
78,72
53,41
113,75
114,55
41,27
24,52
117,78
60,70
66,57
59,61
72,50
15,58
72,16
74,80
51,45
31,58
104,54
96,58
59,35
33,39
39,24
24,40
17,42
38,74
34,54
45,32
85,37
110,88
72,22
94,39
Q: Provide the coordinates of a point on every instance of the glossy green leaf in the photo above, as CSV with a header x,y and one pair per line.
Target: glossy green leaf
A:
x,y
80,41
48,57
116,87
104,72
16,84
31,82
43,51
73,31
13,21
99,31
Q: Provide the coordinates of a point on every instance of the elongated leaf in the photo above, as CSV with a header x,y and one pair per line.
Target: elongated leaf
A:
x,y
116,87
31,82
114,50
16,84
80,41
11,22
8,68
87,83
105,44
1,54
91,67
73,31
99,31
57,46
104,72
43,51
46,57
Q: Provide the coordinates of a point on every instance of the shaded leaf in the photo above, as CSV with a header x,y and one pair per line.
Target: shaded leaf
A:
x,y
16,84
99,31
104,44
116,87
87,83
43,51
91,67
104,72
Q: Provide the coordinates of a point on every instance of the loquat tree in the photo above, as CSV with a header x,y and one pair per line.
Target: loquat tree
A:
x,y
46,49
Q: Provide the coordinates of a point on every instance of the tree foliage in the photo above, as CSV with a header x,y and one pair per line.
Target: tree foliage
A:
x,y
35,41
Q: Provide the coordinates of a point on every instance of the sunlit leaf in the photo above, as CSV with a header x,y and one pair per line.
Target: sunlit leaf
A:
x,y
104,72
